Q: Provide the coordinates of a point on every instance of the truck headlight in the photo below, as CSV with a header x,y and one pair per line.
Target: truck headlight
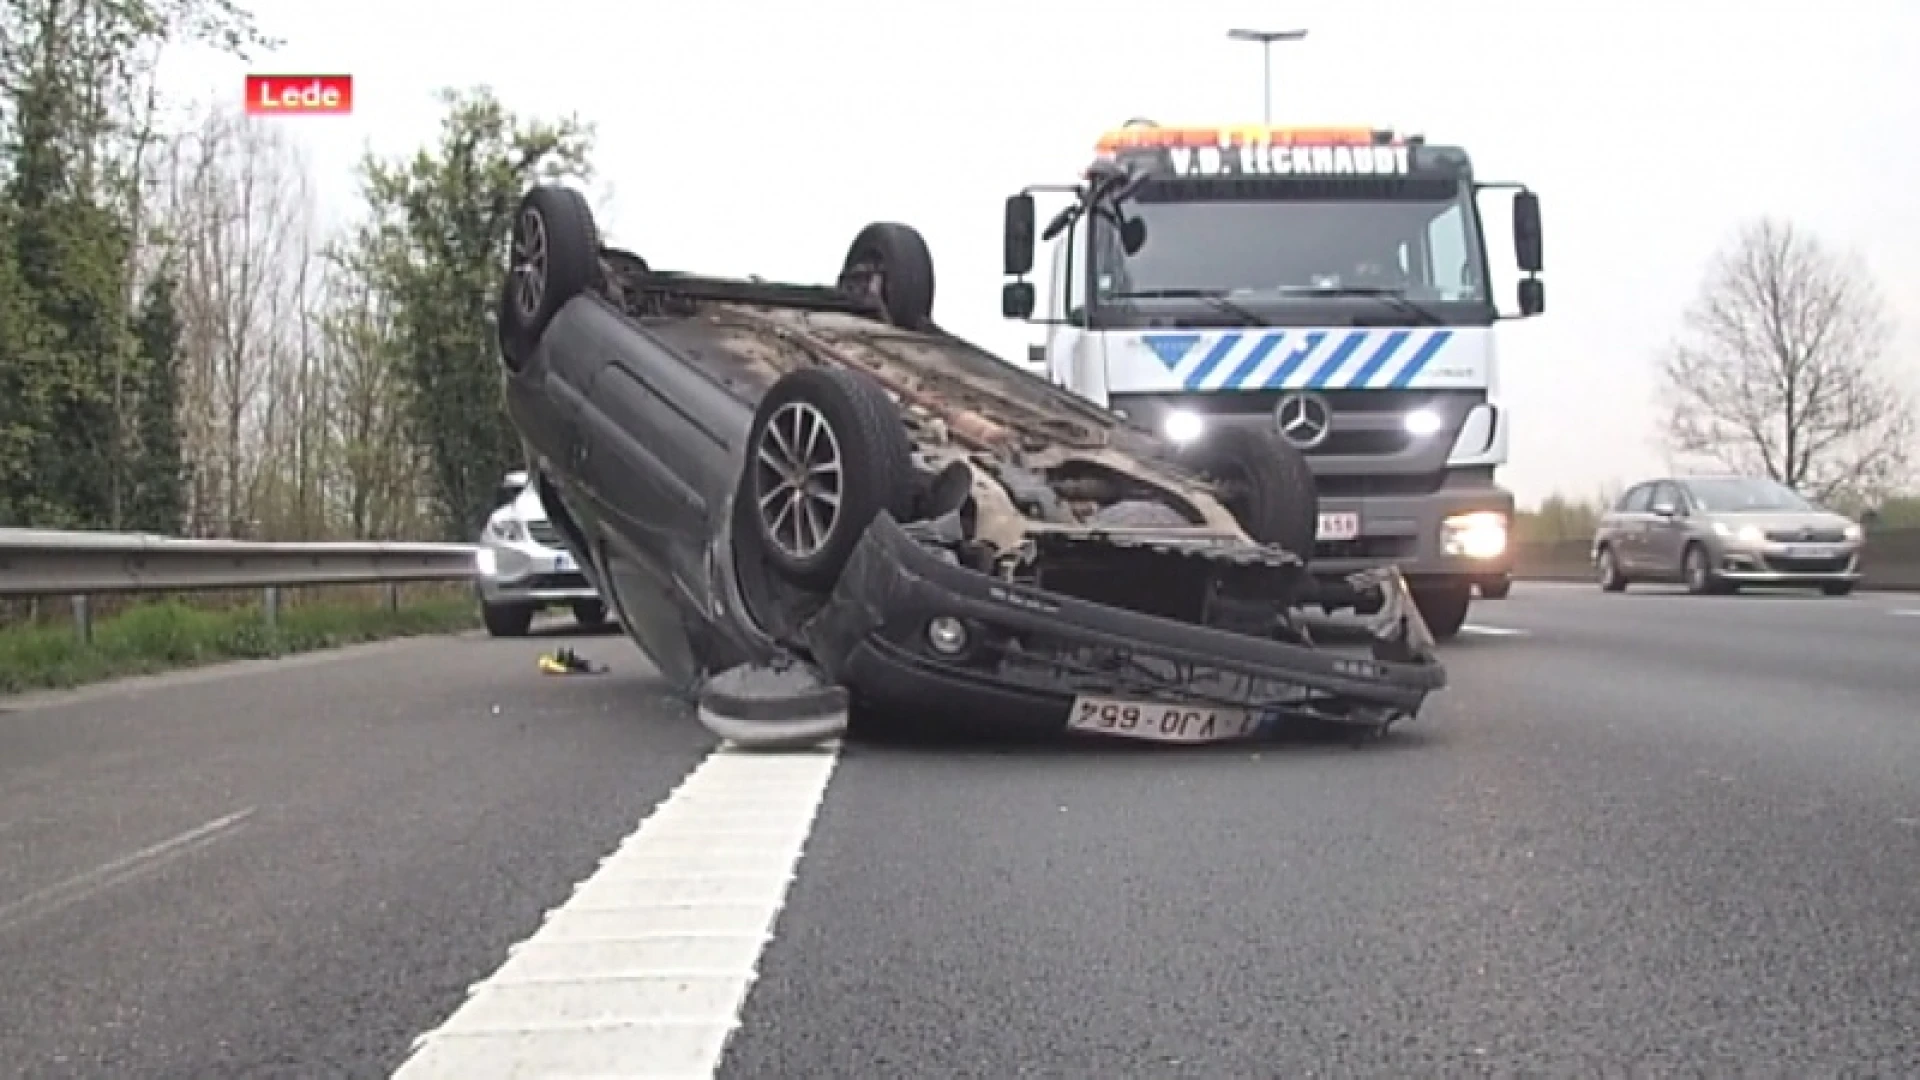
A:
x,y
1478,535
1421,422
1183,425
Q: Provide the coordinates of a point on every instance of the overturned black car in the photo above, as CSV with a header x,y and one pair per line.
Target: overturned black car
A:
x,y
801,500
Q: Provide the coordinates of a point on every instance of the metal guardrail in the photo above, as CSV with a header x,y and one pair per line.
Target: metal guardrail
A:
x,y
51,562
1890,560
47,562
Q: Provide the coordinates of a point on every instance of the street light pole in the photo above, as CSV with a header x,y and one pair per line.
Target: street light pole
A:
x,y
1266,38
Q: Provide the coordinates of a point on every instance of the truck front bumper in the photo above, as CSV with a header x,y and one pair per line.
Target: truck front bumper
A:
x,y
1454,535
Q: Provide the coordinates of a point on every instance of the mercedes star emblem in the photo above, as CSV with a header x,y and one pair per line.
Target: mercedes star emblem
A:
x,y
1304,420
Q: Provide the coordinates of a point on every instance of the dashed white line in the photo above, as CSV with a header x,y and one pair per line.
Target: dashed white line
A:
x,y
120,870
1911,613
1492,631
645,969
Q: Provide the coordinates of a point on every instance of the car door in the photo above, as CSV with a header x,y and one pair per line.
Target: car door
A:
x,y
1629,527
1666,533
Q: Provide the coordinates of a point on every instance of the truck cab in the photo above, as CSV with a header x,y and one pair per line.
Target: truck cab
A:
x,y
1330,282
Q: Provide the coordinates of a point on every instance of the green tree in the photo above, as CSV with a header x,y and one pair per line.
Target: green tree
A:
x,y
157,500
438,257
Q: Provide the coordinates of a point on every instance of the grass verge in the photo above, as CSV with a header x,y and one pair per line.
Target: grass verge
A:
x,y
154,637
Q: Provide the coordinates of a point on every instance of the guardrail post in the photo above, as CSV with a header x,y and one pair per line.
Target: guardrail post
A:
x,y
83,619
393,596
270,606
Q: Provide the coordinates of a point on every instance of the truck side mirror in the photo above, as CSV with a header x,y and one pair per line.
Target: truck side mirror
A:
x,y
1016,300
1533,297
1019,234
1526,231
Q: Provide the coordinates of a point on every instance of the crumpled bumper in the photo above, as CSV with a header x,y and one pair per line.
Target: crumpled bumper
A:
x,y
1028,653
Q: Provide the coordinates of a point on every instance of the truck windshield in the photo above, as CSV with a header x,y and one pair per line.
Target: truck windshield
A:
x,y
1426,249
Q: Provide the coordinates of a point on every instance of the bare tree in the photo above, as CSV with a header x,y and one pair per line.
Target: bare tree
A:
x,y
241,220
1779,369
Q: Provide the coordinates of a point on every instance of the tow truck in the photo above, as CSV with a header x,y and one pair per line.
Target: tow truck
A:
x,y
1330,282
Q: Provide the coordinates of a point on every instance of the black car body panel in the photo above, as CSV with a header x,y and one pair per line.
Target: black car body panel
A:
x,y
636,404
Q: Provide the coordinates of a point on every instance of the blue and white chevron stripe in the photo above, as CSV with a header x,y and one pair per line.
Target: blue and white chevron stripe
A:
x,y
1303,358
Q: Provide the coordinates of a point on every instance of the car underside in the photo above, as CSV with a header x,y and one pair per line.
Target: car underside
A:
x,y
817,479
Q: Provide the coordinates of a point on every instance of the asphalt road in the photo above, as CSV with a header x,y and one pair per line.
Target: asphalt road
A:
x,y
1645,834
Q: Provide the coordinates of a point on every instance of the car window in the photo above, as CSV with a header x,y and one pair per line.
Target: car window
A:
x,y
1665,493
1636,500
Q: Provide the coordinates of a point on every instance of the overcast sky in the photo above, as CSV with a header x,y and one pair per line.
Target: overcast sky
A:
x,y
756,137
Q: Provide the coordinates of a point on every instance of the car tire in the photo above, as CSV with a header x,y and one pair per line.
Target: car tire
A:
x,y
506,620
871,455
1443,608
890,263
1696,575
590,614
1837,588
1607,568
555,256
1266,484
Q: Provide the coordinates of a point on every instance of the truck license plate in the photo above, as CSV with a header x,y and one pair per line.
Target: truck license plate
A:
x,y
1343,525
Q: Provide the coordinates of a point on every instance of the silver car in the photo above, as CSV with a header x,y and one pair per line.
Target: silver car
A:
x,y
1716,533
524,567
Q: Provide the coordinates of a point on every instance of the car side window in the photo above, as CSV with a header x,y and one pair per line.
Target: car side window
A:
x,y
1666,494
1636,500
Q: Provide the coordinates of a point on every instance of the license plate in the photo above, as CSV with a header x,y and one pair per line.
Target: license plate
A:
x,y
562,564
1804,553
1161,722
1343,525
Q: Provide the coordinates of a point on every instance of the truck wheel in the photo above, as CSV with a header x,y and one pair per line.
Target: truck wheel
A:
x,y
1264,481
555,257
827,453
506,620
1443,607
1496,588
890,263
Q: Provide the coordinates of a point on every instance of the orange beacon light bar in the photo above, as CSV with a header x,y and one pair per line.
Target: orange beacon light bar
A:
x,y
1145,137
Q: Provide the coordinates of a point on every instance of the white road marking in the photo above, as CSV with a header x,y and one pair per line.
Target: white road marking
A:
x,y
120,870
1492,631
645,969
1911,613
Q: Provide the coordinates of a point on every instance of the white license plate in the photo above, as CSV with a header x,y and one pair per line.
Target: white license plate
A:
x,y
1805,552
563,564
1338,526
1160,722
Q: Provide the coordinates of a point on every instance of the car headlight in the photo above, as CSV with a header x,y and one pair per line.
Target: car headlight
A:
x,y
1749,535
507,530
1421,422
1854,533
1183,425
1478,535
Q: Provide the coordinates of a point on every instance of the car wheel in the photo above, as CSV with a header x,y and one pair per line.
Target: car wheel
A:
x,y
1697,574
506,620
1264,481
1608,569
890,263
827,454
1837,588
590,614
555,257
1443,608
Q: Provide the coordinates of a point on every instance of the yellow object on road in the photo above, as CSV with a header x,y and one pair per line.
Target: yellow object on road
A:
x,y
567,662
